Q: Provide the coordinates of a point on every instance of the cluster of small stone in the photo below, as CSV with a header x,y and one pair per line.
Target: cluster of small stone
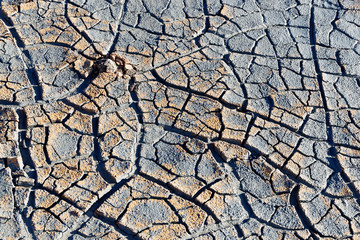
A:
x,y
179,119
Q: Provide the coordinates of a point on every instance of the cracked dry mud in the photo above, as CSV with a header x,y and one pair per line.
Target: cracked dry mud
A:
x,y
179,119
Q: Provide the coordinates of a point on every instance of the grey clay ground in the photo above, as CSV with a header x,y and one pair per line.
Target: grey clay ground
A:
x,y
179,119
